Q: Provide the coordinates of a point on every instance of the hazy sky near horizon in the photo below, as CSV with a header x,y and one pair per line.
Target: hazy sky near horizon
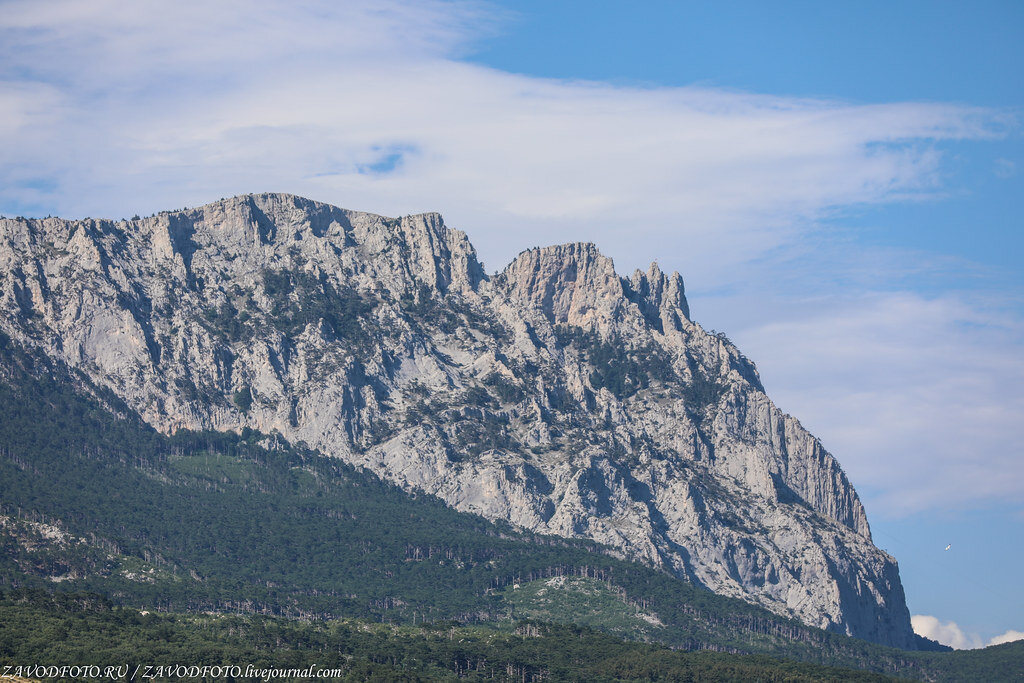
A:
x,y
840,185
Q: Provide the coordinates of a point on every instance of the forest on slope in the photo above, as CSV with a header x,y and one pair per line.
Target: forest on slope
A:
x,y
94,499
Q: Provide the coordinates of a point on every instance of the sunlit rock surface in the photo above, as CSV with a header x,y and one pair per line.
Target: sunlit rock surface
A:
x,y
557,394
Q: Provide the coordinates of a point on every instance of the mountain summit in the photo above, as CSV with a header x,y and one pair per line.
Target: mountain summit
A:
x,y
557,394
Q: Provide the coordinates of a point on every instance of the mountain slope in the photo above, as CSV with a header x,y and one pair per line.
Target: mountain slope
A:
x,y
555,395
94,500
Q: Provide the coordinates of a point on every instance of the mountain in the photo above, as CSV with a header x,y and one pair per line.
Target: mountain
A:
x,y
198,525
555,395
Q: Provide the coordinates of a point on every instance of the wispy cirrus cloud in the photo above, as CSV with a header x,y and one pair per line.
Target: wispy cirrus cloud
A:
x,y
149,105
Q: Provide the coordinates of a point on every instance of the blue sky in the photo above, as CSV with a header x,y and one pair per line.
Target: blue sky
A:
x,y
839,184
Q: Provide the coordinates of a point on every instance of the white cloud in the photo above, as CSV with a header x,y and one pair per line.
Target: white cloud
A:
x,y
1008,637
1005,168
115,107
947,633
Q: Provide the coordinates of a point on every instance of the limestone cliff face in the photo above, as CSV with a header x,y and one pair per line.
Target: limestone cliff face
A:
x,y
556,395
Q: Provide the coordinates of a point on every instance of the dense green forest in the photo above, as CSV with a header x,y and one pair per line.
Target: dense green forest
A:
x,y
92,499
85,629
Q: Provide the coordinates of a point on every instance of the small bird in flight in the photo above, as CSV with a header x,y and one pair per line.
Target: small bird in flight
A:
x,y
949,546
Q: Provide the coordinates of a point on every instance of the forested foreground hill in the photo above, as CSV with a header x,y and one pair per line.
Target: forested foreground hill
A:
x,y
86,630
37,627
95,500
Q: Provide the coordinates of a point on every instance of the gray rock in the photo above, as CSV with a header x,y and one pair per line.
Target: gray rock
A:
x,y
556,394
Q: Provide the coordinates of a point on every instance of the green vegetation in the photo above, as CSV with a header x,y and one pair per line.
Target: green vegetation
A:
x,y
247,524
243,399
423,308
301,298
605,607
702,391
473,437
507,390
228,322
621,374
87,630
997,663
447,312
585,602
625,374
218,469
478,396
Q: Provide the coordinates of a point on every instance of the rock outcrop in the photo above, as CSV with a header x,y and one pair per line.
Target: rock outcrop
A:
x,y
556,394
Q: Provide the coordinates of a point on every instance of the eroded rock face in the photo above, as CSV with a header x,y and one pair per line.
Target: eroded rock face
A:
x,y
556,395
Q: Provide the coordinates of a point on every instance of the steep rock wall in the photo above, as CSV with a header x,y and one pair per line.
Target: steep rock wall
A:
x,y
556,395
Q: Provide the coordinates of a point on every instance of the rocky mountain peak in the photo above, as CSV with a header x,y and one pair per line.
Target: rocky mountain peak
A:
x,y
558,395
274,231
572,284
659,291
440,257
